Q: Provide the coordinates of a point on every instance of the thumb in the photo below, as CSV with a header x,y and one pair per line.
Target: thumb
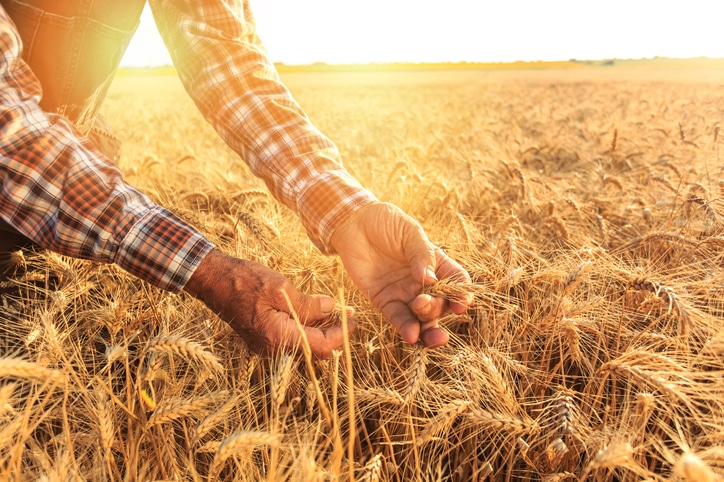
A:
x,y
312,308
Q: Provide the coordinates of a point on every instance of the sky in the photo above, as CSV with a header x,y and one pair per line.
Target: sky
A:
x,y
346,31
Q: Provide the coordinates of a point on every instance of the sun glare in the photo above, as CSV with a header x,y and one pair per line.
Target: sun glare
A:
x,y
468,30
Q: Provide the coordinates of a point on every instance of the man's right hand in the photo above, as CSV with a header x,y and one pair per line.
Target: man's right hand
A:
x,y
249,296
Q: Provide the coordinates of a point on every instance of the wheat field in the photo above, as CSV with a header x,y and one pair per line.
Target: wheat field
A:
x,y
585,204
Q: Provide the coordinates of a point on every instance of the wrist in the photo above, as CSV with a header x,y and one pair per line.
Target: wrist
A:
x,y
351,226
210,280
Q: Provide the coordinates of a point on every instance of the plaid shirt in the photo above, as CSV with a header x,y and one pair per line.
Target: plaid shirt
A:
x,y
62,193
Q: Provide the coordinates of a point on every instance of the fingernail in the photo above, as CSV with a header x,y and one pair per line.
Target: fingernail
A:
x,y
348,310
327,305
430,273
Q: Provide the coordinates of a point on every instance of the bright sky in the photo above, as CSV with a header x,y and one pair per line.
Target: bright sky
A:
x,y
353,31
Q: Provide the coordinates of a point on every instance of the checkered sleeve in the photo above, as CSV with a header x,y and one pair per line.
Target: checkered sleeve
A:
x,y
57,189
225,69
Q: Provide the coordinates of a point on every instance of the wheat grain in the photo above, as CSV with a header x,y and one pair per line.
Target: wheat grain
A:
x,y
575,277
380,396
240,443
619,454
372,469
556,451
212,420
175,408
415,372
187,349
19,368
668,296
498,421
559,477
692,469
447,414
106,428
280,380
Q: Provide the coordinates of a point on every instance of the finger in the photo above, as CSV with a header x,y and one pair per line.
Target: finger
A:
x,y
448,268
429,308
323,342
419,251
434,337
311,309
400,316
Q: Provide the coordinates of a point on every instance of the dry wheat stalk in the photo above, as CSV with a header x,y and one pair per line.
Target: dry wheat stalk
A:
x,y
106,428
575,277
614,181
565,413
559,477
508,249
602,229
212,420
371,470
240,443
280,379
668,296
569,328
19,368
187,349
556,451
380,396
692,469
495,420
649,376
618,454
614,140
495,380
447,414
416,372
187,198
7,399
174,408
254,228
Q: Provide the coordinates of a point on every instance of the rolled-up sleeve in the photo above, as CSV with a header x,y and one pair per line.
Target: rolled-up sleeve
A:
x,y
226,70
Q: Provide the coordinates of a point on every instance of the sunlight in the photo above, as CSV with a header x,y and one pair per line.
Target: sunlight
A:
x,y
468,30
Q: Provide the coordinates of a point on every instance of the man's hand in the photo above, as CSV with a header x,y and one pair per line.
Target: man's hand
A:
x,y
249,297
390,259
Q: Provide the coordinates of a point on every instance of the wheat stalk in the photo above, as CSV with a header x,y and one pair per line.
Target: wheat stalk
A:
x,y
615,455
380,396
371,470
18,368
185,348
175,408
239,443
692,469
416,372
447,414
280,379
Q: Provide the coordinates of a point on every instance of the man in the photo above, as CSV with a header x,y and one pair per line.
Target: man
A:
x,y
59,188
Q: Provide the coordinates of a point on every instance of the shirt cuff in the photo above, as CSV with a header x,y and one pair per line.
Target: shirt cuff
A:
x,y
328,202
162,249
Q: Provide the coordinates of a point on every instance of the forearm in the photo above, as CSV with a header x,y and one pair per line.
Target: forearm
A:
x,y
227,72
